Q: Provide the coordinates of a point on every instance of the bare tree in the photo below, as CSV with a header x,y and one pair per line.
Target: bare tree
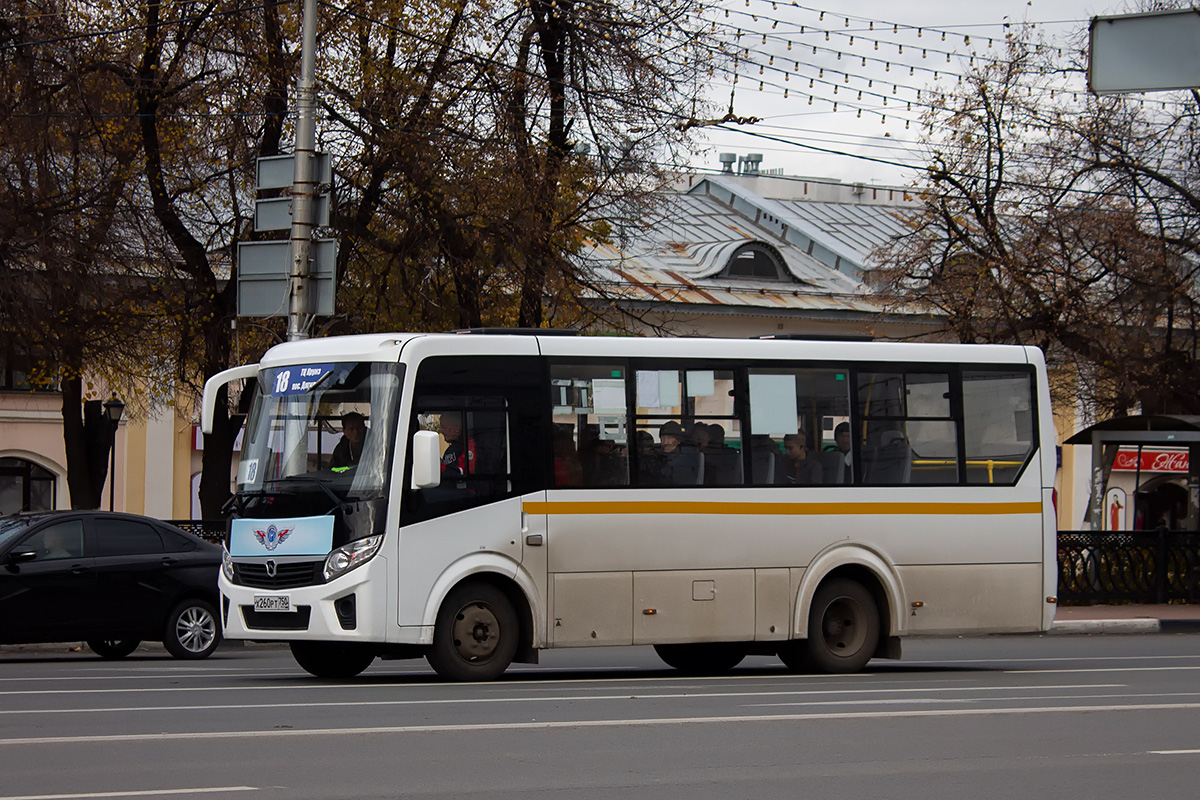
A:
x,y
73,297
1063,221
480,148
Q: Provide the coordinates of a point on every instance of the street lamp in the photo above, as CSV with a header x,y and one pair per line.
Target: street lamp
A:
x,y
113,409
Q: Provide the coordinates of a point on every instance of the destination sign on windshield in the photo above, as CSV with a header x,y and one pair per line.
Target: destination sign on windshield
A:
x,y
299,379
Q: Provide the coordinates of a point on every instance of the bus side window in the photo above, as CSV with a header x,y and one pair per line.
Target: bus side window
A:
x,y
493,410
794,417
998,426
589,437
908,431
687,429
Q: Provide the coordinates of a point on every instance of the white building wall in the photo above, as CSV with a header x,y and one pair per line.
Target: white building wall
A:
x,y
160,461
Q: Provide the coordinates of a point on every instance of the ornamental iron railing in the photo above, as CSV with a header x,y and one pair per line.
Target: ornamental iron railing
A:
x,y
1158,566
212,530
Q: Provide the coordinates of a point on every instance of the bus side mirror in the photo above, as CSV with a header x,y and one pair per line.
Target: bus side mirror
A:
x,y
426,460
208,404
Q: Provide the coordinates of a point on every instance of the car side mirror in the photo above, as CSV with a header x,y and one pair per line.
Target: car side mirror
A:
x,y
426,460
21,556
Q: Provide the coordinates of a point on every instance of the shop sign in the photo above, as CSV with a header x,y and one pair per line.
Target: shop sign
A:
x,y
1152,461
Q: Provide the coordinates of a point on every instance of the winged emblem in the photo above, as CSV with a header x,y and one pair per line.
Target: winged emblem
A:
x,y
272,537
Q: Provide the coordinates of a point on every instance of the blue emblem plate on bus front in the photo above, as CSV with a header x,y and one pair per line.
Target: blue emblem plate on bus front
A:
x,y
296,536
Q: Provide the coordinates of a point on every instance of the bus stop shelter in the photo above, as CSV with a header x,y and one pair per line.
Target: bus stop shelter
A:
x,y
1155,564
1106,438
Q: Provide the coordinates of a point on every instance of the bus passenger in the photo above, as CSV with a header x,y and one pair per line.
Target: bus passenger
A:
x,y
841,437
679,463
568,471
671,437
804,470
459,456
716,438
349,449
836,462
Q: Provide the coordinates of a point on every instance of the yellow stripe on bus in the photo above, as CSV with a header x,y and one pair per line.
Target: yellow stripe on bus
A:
x,y
801,509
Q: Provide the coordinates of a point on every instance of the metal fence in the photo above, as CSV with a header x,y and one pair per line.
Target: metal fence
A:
x,y
212,530
1158,566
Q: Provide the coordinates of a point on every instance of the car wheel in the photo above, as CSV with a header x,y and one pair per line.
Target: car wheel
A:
x,y
843,630
192,630
329,660
113,648
475,636
702,658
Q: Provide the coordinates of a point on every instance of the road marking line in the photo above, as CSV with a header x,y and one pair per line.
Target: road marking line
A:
x,y
1175,752
901,700
921,662
140,793
569,698
369,682
166,676
590,723
1097,669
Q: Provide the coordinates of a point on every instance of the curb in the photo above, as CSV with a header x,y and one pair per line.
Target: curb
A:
x,y
1081,627
145,648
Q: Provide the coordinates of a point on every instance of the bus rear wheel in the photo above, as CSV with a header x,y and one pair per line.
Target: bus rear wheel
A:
x,y
702,658
330,660
843,630
475,636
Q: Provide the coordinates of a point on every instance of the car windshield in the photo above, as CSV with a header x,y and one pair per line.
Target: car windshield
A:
x,y
323,428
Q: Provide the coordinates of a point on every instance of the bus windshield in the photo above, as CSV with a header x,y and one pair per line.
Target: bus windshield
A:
x,y
324,429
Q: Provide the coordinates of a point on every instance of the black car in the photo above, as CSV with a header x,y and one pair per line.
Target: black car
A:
x,y
111,580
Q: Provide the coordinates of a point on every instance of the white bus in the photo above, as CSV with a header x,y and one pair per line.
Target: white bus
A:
x,y
815,500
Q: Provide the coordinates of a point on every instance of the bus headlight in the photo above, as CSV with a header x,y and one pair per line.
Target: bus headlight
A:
x,y
350,555
227,564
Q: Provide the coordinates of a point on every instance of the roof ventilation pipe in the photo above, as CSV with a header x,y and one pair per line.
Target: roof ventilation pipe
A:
x,y
727,161
751,163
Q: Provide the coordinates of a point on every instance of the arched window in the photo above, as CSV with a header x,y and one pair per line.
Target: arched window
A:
x,y
756,260
24,486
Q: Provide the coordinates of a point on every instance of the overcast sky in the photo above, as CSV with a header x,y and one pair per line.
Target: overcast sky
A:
x,y
887,50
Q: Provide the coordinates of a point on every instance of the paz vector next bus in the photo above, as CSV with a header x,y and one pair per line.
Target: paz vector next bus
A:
x,y
474,498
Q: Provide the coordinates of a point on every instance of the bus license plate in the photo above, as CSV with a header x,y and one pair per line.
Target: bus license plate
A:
x,y
277,602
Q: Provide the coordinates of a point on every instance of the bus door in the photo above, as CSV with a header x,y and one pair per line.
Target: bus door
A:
x,y
492,445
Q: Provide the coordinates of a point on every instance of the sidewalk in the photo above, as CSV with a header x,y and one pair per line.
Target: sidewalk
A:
x,y
1127,619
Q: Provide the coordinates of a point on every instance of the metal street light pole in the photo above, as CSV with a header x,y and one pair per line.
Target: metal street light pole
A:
x,y
304,179
113,409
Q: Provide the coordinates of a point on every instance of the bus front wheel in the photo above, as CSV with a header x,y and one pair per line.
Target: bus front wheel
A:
x,y
701,658
330,660
475,636
843,630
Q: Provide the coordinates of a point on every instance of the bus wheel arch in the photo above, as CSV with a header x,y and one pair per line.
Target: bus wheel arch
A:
x,y
859,564
483,624
843,628
868,569
509,578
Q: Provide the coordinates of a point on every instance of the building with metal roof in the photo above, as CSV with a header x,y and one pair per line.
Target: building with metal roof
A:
x,y
753,254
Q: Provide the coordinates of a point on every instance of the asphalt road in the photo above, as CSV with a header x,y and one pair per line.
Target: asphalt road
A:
x,y
1005,717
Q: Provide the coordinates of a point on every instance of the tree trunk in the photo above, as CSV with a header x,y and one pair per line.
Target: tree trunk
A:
x,y
217,460
87,438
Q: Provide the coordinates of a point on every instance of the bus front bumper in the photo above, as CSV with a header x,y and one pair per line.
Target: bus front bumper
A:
x,y
350,608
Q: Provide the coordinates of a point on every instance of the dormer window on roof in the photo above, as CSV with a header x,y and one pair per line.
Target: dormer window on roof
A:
x,y
756,260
